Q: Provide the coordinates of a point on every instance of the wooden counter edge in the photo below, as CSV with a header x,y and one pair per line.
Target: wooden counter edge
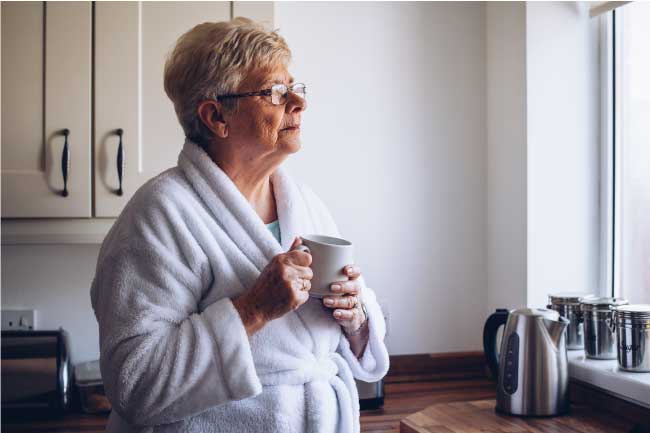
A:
x,y
468,365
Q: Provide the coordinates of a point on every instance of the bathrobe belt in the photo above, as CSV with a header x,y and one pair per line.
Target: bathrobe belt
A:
x,y
328,369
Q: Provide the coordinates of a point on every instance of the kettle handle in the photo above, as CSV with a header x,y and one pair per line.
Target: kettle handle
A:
x,y
496,320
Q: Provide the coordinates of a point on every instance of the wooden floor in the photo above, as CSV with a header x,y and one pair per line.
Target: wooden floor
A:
x,y
401,400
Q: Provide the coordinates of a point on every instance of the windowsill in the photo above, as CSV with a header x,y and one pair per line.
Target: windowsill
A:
x,y
605,374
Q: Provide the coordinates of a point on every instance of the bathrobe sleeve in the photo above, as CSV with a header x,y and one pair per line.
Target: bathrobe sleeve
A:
x,y
161,359
374,362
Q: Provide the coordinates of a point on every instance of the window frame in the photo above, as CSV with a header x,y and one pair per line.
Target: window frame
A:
x,y
605,374
611,142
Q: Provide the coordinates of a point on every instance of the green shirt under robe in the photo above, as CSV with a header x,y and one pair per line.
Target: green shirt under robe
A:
x,y
275,229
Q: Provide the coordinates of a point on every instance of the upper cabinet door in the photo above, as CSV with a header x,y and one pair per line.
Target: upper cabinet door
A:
x,y
132,40
46,79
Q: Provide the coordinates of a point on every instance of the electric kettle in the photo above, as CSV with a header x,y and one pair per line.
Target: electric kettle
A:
x,y
532,368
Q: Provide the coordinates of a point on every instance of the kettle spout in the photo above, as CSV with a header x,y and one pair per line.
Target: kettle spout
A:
x,y
555,329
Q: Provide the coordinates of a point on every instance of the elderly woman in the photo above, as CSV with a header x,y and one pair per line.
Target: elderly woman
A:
x,y
205,318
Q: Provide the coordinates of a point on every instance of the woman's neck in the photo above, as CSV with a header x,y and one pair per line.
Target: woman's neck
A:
x,y
252,176
261,198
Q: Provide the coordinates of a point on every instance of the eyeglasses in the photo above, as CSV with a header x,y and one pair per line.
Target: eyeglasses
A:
x,y
277,92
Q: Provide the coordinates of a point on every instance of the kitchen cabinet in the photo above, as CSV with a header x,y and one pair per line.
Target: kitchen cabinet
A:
x,y
94,69
131,43
44,92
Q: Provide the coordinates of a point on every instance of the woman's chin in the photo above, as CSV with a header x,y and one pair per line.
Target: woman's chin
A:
x,y
290,146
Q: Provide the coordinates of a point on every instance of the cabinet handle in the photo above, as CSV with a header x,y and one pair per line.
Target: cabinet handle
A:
x,y
65,163
120,162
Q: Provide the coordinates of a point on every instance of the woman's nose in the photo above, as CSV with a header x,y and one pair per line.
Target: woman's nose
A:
x,y
295,103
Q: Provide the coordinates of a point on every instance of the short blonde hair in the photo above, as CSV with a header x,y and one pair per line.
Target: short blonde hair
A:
x,y
212,59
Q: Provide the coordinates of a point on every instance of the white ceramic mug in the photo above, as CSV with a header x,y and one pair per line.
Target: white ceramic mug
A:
x,y
329,256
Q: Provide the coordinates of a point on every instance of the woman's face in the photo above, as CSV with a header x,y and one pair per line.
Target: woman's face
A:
x,y
260,126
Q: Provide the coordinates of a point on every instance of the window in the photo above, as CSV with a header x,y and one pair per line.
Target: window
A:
x,y
630,152
625,181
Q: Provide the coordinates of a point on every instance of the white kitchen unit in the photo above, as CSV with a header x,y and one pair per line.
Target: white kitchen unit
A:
x,y
44,92
131,43
54,78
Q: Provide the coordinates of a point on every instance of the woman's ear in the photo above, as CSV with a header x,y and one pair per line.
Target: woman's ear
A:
x,y
211,114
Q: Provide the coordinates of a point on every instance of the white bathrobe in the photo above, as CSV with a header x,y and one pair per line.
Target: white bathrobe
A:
x,y
175,356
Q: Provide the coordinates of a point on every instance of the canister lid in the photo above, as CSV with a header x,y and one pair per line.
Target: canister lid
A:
x,y
602,302
635,312
567,297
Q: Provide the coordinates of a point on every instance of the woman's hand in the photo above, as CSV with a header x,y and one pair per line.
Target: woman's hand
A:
x,y
347,308
282,287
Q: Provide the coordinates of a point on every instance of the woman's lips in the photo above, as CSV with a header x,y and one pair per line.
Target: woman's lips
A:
x,y
291,128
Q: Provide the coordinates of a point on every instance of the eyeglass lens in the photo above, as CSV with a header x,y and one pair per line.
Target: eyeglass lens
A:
x,y
279,92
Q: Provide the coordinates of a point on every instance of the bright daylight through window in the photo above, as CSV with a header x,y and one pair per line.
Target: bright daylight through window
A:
x,y
632,150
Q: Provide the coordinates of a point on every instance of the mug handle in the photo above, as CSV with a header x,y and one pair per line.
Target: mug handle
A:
x,y
303,248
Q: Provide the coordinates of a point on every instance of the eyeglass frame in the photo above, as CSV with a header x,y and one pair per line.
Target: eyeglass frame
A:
x,y
264,92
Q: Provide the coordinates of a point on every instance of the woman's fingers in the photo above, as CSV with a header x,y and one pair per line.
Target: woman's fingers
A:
x,y
301,284
298,256
300,272
346,302
352,271
351,287
345,317
304,272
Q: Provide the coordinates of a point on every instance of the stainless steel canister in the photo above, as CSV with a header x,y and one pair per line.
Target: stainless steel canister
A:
x,y
632,326
600,341
568,305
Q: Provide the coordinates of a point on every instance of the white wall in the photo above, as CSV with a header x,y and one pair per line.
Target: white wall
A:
x,y
543,151
506,154
404,100
394,142
55,281
562,62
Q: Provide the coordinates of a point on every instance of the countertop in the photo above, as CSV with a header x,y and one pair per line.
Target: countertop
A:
x,y
401,399
478,416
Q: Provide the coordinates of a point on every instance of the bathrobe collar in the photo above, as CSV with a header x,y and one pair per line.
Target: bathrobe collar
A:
x,y
236,216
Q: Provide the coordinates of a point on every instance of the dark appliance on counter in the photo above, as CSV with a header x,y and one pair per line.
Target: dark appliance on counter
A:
x,y
371,394
36,374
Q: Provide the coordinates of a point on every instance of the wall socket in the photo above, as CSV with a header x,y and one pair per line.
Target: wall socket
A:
x,y
18,320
